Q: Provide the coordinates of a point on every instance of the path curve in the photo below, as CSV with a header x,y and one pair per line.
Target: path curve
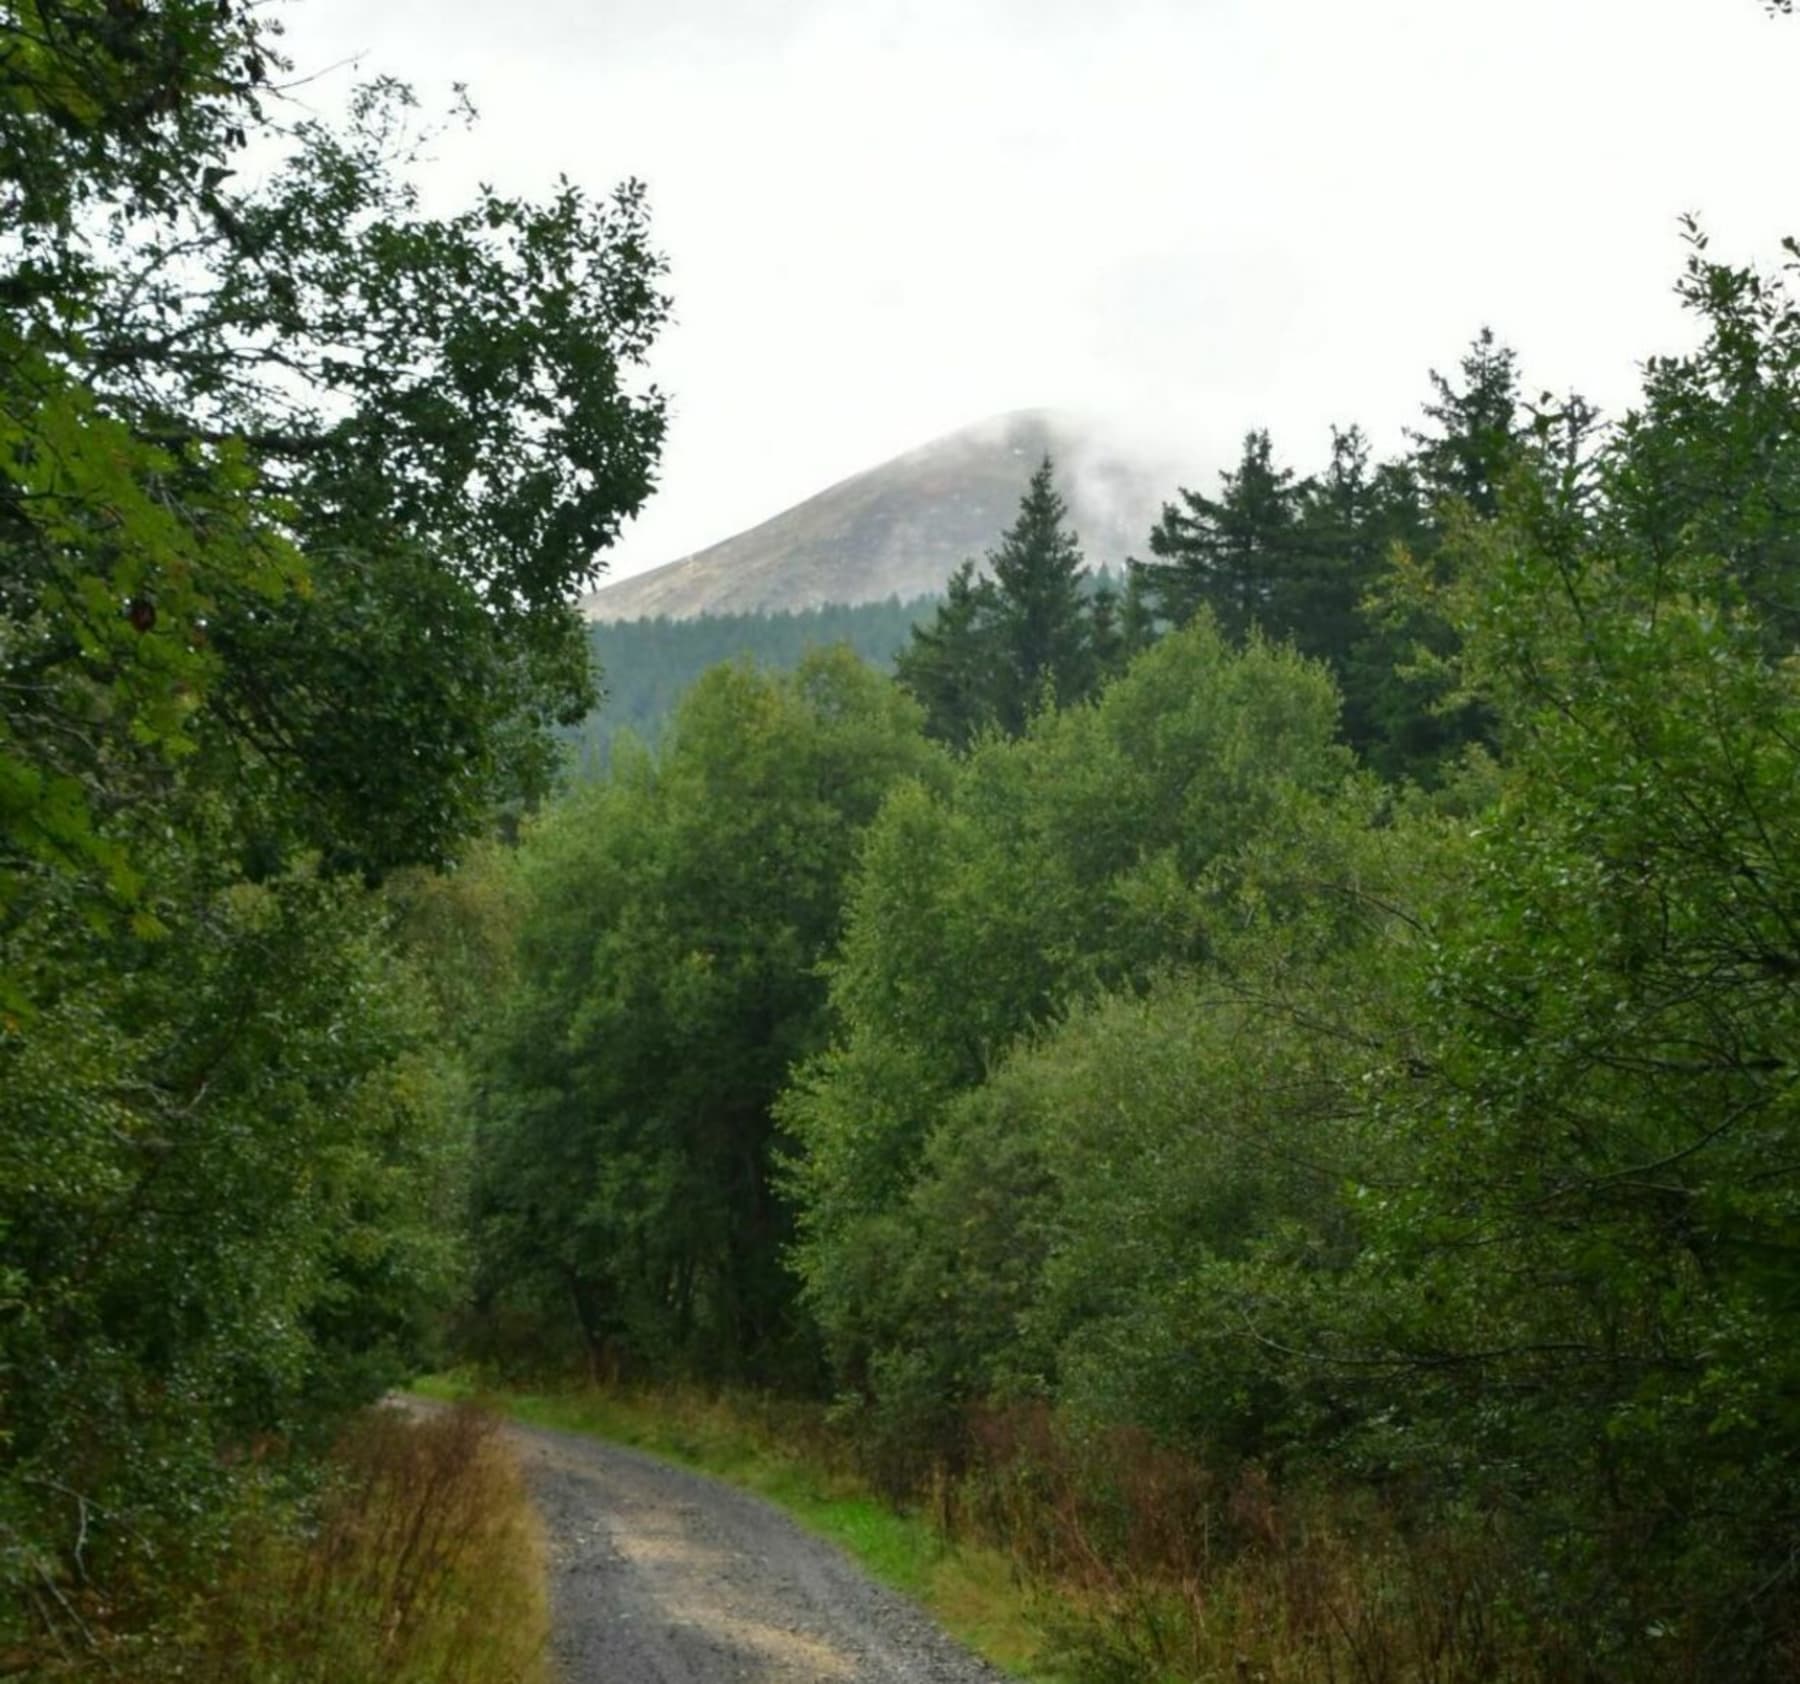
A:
x,y
662,1576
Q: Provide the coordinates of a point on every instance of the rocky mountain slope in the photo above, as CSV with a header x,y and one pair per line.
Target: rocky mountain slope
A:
x,y
901,528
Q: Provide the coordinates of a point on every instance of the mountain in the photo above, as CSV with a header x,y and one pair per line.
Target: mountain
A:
x,y
900,529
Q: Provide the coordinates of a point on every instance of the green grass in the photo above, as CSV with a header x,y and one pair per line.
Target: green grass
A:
x,y
973,1592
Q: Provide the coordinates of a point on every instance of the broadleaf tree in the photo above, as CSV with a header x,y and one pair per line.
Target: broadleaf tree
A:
x,y
297,482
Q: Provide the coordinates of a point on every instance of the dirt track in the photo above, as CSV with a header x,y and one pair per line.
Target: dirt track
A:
x,y
659,1576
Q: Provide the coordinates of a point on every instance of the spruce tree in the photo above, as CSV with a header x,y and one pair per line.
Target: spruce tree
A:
x,y
1225,553
1137,613
947,665
1044,640
1478,429
1000,647
1105,634
1313,598
1401,709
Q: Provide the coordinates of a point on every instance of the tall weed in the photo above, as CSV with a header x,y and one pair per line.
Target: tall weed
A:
x,y
1165,1568
416,1561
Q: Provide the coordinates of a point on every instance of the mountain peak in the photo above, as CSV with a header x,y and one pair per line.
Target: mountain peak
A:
x,y
902,527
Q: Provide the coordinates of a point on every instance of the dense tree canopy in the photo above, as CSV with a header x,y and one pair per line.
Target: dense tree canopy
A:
x,y
1297,1045
1092,854
646,666
296,483
1424,1146
293,490
1328,561
680,912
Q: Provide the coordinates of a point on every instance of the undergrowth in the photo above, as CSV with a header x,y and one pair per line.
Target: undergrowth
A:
x,y
1171,1570
416,1560
1103,1558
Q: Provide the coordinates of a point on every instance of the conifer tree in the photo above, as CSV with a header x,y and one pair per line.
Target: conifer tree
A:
x,y
1401,704
1105,634
1000,647
1137,614
1479,428
1041,617
1313,599
946,666
1223,553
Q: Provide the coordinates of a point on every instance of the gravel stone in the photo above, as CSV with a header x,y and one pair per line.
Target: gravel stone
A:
x,y
661,1576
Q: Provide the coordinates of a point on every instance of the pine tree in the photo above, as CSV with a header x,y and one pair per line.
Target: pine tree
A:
x,y
1313,599
1001,647
1479,428
1225,553
1044,639
947,666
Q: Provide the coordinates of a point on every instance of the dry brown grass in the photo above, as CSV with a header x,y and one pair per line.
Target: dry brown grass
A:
x,y
1161,1568
419,1562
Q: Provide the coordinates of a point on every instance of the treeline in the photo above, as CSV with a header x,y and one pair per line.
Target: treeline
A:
x,y
1313,1095
647,665
1306,561
289,520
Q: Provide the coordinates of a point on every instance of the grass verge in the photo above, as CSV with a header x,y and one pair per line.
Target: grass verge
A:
x,y
1105,1559
976,1593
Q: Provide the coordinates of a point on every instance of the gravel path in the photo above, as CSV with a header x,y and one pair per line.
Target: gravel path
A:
x,y
660,1576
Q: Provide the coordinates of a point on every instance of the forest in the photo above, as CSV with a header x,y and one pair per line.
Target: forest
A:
x,y
1264,1086
647,665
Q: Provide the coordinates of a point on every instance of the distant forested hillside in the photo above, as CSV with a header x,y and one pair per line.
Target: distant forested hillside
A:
x,y
646,665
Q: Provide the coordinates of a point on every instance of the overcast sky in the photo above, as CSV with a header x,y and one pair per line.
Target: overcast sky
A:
x,y
886,218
